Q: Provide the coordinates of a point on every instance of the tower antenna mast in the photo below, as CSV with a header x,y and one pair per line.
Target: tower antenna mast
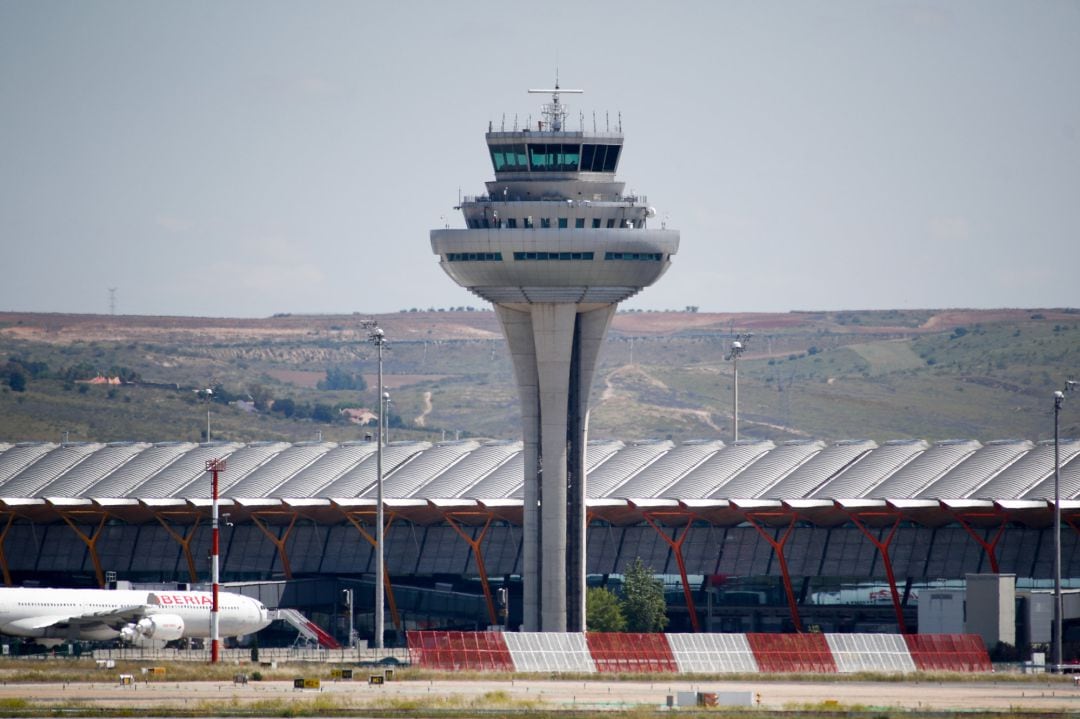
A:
x,y
554,111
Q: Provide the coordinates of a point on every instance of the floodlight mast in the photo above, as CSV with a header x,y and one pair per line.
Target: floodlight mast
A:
x,y
378,338
1059,614
738,346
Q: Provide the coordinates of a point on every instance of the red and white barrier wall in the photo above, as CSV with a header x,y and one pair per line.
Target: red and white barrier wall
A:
x,y
696,653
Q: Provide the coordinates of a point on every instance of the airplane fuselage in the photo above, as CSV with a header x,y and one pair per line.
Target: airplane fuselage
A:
x,y
97,614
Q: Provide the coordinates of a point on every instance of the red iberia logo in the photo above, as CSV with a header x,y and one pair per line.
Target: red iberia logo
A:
x,y
185,599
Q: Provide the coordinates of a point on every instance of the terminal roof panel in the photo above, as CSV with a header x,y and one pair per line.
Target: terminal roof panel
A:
x,y
804,480
456,480
757,479
625,463
360,478
926,468
245,460
976,470
502,482
327,468
48,467
138,469
1070,481
709,477
600,451
188,467
18,457
421,469
860,478
667,469
74,482
1026,472
278,469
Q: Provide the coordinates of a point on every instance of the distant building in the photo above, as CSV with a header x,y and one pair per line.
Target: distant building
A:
x,y
359,415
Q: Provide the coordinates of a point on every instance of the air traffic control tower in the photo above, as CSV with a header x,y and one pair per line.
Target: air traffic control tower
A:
x,y
555,245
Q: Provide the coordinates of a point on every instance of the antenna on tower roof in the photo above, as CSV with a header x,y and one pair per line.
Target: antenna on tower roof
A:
x,y
554,112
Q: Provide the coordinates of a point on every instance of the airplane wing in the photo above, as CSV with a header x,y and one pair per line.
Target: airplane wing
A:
x,y
114,618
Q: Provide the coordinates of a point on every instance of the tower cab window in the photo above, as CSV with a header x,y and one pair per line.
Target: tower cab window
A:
x,y
509,158
562,223
579,223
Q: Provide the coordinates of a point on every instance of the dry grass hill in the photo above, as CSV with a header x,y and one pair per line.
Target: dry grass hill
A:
x,y
933,374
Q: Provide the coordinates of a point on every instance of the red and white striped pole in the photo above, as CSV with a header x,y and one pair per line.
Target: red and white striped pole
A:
x,y
213,466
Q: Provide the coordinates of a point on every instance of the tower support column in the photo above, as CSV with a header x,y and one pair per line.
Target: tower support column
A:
x,y
554,348
553,335
590,329
517,328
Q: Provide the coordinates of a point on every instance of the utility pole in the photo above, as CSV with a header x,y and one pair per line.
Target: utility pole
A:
x,y
214,466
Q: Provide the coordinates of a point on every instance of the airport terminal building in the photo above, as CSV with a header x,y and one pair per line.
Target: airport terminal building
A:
x,y
749,536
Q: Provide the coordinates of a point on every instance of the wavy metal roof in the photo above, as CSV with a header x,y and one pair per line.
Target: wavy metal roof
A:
x,y
328,468
926,468
696,471
47,467
624,465
709,477
978,469
861,479
93,469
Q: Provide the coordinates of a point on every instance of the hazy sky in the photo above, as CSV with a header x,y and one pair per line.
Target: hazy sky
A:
x,y
247,158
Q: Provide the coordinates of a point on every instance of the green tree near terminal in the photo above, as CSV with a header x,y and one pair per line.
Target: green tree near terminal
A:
x,y
603,612
643,599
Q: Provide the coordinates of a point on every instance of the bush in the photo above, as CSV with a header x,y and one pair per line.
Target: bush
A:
x,y
16,380
602,611
338,378
643,599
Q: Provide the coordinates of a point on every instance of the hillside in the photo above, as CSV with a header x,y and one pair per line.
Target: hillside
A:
x,y
985,374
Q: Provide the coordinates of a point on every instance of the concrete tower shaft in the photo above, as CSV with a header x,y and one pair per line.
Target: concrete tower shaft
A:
x,y
555,245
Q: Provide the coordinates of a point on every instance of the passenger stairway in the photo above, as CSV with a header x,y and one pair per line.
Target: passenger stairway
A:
x,y
307,628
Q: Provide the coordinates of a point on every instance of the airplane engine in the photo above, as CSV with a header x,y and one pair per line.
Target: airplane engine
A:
x,y
154,630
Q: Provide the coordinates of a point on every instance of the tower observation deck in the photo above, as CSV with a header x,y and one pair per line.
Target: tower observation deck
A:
x,y
555,244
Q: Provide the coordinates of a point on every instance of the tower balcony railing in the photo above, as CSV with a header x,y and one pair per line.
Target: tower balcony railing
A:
x,y
623,200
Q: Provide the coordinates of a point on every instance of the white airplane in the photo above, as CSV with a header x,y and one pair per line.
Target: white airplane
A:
x,y
143,618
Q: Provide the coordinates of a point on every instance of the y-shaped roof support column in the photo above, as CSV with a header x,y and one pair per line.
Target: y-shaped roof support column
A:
x,y
184,542
676,548
3,555
390,602
778,547
279,542
474,545
90,542
989,547
883,550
